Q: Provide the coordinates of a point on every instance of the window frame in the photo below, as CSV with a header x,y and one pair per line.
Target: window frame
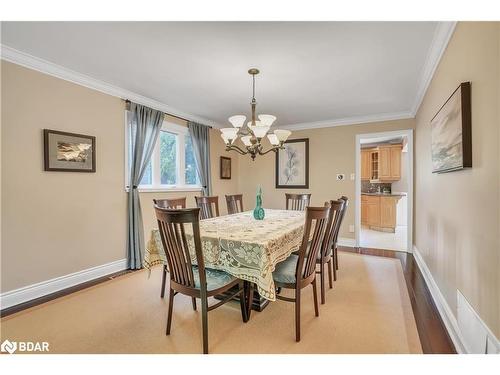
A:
x,y
156,186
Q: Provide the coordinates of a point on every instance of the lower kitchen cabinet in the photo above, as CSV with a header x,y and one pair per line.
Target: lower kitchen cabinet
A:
x,y
379,212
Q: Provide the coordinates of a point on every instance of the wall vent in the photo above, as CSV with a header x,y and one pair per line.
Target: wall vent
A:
x,y
476,336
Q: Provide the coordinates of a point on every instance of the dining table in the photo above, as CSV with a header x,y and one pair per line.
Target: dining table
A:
x,y
242,246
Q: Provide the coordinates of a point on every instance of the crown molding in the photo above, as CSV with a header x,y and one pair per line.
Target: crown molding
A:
x,y
32,62
349,121
442,36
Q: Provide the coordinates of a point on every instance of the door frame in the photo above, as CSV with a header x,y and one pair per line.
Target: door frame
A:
x,y
409,165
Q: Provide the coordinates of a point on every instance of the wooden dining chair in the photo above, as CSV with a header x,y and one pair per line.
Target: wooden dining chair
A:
x,y
325,255
335,253
170,204
195,281
234,203
209,206
299,271
297,202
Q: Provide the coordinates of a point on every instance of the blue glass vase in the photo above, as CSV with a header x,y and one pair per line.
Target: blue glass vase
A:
x,y
258,212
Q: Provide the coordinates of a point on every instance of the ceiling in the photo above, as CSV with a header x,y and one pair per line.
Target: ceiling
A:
x,y
311,72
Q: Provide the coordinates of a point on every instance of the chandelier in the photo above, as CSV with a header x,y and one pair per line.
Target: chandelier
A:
x,y
254,131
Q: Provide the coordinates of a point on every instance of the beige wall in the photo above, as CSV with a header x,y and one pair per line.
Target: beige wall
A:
x,y
57,223
331,151
457,214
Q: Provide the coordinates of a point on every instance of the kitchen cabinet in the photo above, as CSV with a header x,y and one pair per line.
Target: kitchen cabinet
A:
x,y
388,212
373,211
364,212
381,163
379,211
384,155
396,163
365,165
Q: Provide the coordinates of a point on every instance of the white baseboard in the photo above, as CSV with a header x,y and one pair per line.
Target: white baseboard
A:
x,y
348,242
449,320
30,292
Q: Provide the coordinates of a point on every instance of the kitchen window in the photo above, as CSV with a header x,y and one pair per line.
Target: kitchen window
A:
x,y
172,166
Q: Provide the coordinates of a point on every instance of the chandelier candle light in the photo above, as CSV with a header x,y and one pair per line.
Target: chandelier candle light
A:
x,y
254,131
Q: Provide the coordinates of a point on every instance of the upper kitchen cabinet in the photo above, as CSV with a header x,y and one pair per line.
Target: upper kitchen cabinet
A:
x,y
365,165
381,163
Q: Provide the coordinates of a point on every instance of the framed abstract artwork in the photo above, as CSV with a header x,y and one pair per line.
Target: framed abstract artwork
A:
x,y
292,165
225,168
68,152
451,132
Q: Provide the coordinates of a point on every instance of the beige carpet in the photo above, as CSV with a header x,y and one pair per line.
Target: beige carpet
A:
x,y
368,311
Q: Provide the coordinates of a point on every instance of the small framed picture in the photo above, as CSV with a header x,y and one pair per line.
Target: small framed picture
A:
x,y
68,152
292,165
225,168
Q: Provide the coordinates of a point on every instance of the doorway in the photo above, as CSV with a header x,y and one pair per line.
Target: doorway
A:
x,y
384,190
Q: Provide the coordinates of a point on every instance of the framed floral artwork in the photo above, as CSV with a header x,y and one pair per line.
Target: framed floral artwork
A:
x,y
292,165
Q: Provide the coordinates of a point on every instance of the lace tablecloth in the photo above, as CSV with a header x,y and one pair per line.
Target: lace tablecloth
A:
x,y
238,244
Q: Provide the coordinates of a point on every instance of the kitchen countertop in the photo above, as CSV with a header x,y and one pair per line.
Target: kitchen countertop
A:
x,y
385,194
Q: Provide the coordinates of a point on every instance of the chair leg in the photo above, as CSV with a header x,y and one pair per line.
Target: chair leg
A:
x,y
330,271
163,281
315,292
170,308
334,268
243,303
194,303
336,259
297,314
204,323
322,282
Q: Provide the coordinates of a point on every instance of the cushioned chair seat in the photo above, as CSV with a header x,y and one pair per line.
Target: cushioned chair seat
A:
x,y
285,271
215,278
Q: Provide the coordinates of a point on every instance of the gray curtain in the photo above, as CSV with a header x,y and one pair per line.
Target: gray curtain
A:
x,y
144,127
201,145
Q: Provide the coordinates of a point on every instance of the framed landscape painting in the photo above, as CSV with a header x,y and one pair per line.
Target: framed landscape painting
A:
x,y
451,132
292,165
68,152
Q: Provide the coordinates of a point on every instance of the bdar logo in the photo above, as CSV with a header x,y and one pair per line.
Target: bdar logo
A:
x,y
8,346
24,346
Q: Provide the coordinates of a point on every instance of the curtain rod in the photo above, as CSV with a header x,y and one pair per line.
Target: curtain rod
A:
x,y
127,103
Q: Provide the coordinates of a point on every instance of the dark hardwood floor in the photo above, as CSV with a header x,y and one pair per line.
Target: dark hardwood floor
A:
x,y
431,329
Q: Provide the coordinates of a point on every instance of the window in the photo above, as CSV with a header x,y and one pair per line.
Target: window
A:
x,y
172,165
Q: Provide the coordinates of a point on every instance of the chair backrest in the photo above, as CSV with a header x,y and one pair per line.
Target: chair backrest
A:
x,y
297,202
234,203
172,226
332,227
209,206
171,203
344,210
316,221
